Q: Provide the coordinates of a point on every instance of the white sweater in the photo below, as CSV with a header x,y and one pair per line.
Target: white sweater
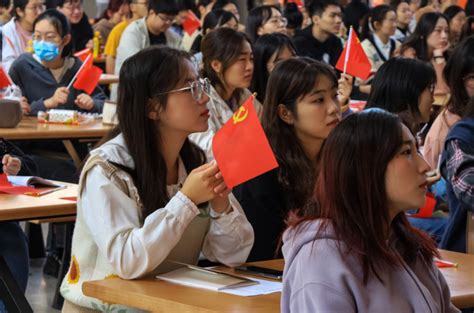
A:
x,y
112,239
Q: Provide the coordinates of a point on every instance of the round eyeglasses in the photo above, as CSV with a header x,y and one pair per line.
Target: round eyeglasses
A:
x,y
197,87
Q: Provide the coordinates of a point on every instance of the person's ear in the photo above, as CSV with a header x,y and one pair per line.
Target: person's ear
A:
x,y
285,115
19,12
153,110
216,66
315,19
377,25
260,31
67,40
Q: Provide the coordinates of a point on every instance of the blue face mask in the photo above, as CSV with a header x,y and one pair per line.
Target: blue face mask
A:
x,y
45,51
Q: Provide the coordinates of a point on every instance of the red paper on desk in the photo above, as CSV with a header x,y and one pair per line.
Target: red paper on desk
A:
x,y
5,80
7,187
241,148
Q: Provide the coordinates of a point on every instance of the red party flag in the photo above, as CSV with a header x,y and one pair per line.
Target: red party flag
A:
x,y
353,59
5,80
241,148
83,54
191,23
88,77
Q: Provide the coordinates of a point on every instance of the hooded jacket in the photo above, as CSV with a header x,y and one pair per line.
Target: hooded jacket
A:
x,y
317,278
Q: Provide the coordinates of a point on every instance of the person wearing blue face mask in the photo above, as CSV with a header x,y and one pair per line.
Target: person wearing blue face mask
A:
x,y
44,75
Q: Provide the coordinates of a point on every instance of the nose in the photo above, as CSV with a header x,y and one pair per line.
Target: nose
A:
x,y
334,108
422,165
249,66
204,99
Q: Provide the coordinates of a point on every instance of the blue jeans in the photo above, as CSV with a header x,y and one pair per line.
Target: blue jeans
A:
x,y
14,249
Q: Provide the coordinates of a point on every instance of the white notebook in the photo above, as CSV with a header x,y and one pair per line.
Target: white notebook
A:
x,y
198,277
31,181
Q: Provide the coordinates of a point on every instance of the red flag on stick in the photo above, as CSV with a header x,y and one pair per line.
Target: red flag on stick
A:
x,y
191,23
88,76
353,59
5,80
83,54
241,148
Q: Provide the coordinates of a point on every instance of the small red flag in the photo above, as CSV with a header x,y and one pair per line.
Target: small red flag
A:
x,y
241,148
88,77
462,4
191,23
5,80
83,54
353,59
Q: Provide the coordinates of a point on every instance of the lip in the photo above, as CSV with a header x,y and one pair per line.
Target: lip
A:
x,y
248,77
205,113
424,185
333,123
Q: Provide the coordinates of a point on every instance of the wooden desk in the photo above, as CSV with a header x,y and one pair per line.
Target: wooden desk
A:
x,y
19,207
30,129
158,296
107,79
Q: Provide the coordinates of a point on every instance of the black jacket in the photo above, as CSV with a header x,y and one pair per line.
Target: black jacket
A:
x,y
308,46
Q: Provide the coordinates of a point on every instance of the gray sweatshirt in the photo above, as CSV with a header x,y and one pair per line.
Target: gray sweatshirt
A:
x,y
318,279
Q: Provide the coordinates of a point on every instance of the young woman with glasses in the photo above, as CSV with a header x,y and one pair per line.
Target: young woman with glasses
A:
x,y
17,33
263,20
229,68
147,197
44,75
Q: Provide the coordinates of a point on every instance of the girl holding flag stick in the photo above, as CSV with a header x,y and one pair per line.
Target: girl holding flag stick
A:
x,y
43,76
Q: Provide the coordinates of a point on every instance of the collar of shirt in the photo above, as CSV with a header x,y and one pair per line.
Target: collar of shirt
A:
x,y
384,48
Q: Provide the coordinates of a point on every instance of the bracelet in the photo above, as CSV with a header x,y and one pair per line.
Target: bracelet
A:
x,y
438,57
214,215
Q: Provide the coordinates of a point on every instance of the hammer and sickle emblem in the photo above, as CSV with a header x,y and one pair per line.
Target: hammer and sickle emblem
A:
x,y
240,115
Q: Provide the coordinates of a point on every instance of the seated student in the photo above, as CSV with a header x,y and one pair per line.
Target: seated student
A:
x,y
319,40
457,167
13,242
229,68
6,7
138,9
404,18
213,20
116,11
17,33
294,18
429,43
267,52
229,6
44,75
404,87
354,13
300,110
379,25
265,20
354,251
147,195
459,73
150,30
81,30
456,17
468,28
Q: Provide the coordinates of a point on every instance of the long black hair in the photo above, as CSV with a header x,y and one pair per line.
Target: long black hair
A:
x,y
265,47
397,86
256,18
458,67
289,82
424,28
60,23
144,75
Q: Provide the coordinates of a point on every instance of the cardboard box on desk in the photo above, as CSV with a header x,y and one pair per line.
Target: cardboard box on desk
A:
x,y
109,113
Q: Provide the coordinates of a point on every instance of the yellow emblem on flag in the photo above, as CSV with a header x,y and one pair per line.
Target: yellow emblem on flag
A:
x,y
240,115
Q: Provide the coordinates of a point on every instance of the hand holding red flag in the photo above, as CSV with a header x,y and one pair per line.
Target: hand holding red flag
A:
x,y
353,59
241,148
5,79
191,23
